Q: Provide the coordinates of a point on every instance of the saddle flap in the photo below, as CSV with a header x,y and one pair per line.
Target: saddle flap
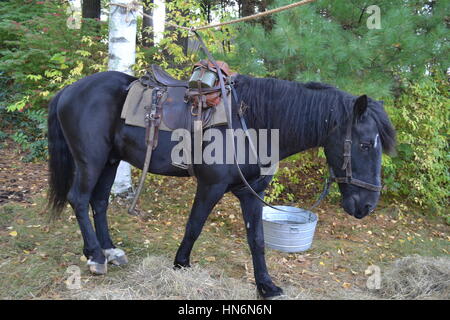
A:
x,y
177,113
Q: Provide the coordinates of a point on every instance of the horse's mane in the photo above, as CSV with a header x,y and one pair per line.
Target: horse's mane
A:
x,y
307,111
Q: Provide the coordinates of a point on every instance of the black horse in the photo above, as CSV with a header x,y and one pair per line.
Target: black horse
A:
x,y
87,139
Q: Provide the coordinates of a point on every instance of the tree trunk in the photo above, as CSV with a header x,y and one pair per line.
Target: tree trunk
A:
x,y
248,7
122,53
267,21
147,32
205,7
91,9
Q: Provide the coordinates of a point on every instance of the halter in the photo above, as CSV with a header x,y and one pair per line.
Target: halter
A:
x,y
347,165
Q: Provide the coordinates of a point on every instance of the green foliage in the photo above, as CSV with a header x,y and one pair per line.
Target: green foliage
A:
x,y
40,55
419,174
171,51
30,133
275,191
330,42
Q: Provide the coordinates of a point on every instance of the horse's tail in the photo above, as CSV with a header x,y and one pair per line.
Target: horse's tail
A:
x,y
61,165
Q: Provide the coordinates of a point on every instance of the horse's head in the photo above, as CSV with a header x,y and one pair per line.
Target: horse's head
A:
x,y
353,152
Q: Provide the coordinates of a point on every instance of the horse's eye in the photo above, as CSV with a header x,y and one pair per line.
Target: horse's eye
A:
x,y
365,146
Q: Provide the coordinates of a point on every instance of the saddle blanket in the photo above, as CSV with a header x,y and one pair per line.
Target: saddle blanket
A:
x,y
175,112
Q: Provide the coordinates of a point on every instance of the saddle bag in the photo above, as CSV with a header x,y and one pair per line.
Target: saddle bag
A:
x,y
205,78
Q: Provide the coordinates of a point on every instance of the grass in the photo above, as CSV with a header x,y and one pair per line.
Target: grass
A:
x,y
35,255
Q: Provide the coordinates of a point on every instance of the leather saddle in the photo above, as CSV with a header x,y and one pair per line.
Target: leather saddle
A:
x,y
176,109
177,113
162,77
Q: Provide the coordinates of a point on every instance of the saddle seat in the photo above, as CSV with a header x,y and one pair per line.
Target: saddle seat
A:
x,y
166,79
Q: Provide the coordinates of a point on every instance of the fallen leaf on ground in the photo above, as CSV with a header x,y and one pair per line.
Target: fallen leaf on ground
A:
x,y
346,285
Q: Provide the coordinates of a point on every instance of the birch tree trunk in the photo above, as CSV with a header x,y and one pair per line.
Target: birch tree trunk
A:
x,y
122,52
147,31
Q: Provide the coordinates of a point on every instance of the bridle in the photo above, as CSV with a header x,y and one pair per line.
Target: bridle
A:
x,y
347,165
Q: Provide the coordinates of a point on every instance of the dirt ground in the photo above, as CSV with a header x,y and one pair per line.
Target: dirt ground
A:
x,y
19,181
35,255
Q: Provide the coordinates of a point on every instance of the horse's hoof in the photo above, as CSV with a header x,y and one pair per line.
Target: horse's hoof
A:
x,y
180,265
271,292
278,297
97,268
116,256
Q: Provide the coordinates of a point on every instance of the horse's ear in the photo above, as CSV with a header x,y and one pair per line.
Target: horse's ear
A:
x,y
360,106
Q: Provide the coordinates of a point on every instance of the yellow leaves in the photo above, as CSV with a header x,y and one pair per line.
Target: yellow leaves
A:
x,y
210,259
346,285
13,233
19,105
77,71
52,73
83,53
34,77
340,269
83,258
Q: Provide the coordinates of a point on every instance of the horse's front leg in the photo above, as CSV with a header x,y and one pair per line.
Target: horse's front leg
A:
x,y
252,212
206,198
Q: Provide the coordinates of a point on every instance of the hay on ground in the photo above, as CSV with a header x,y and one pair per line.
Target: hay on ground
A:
x,y
155,278
417,277
413,277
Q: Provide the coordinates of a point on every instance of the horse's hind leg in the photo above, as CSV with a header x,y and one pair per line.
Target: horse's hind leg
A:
x,y
79,195
99,204
205,199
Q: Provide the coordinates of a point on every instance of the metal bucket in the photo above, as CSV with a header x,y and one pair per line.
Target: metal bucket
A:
x,y
289,231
